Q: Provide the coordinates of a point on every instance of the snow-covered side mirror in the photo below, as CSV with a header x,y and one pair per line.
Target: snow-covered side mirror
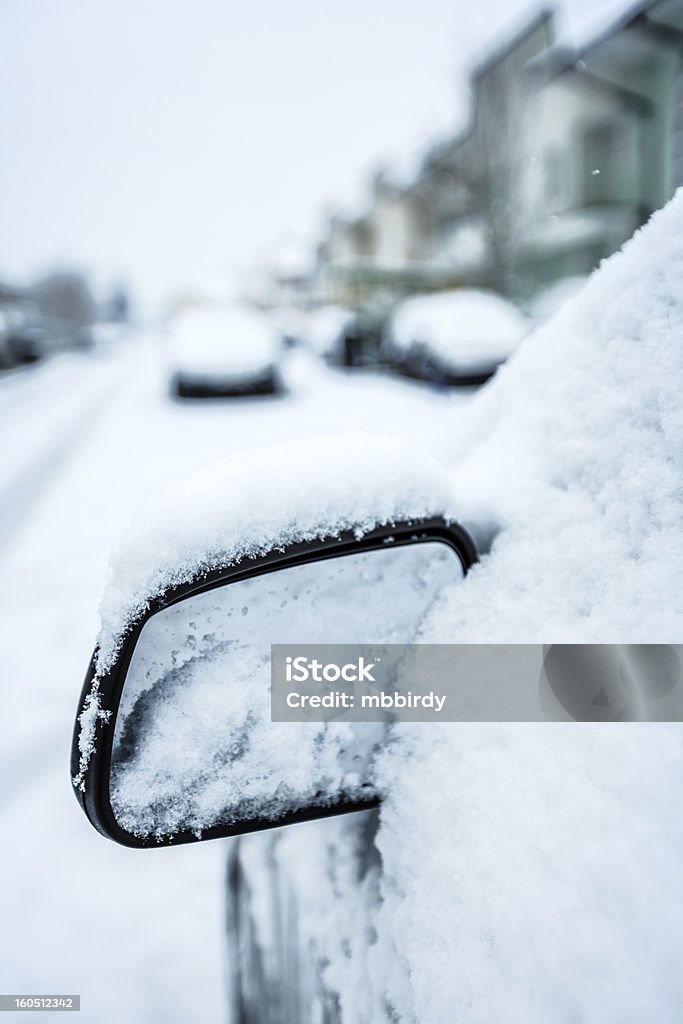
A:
x,y
174,741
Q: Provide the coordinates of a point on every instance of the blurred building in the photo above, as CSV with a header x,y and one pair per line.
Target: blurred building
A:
x,y
565,154
604,138
362,262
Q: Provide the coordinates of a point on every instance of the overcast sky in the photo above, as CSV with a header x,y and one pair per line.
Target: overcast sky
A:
x,y
176,142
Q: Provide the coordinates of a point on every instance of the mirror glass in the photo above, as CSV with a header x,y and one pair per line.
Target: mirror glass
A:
x,y
194,744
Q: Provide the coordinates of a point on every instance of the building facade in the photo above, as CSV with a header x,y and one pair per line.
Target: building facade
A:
x,y
565,155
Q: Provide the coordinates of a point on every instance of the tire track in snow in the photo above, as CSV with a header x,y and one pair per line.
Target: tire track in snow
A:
x,y
18,498
23,491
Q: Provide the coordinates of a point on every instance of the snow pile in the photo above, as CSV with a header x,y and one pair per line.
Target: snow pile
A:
x,y
464,329
533,873
574,452
254,502
233,342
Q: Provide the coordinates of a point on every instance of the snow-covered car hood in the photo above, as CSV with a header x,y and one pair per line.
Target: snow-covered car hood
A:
x,y
228,343
464,329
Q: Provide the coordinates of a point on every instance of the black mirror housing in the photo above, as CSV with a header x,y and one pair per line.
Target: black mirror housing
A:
x,y
91,773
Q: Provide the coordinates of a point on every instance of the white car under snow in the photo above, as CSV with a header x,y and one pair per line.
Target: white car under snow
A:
x,y
223,351
454,337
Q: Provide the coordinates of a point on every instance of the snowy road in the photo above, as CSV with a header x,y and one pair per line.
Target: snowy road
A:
x,y
43,416
139,935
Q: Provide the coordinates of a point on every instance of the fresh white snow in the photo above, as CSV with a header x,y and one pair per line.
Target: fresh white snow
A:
x,y
533,872
544,881
573,453
256,501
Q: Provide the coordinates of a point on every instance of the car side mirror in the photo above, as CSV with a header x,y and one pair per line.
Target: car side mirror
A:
x,y
174,740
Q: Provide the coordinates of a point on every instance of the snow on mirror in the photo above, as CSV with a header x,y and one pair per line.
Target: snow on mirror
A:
x,y
194,745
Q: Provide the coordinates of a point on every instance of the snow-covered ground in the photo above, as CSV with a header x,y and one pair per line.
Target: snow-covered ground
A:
x,y
139,936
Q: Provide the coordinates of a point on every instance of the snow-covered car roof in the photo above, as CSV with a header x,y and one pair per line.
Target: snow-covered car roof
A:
x,y
234,342
464,328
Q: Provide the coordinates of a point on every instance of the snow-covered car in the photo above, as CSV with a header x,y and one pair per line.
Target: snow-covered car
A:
x,y
453,337
24,335
520,861
215,351
7,355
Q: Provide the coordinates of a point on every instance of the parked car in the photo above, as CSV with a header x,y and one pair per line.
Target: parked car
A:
x,y
453,337
222,351
24,334
178,739
7,355
515,871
